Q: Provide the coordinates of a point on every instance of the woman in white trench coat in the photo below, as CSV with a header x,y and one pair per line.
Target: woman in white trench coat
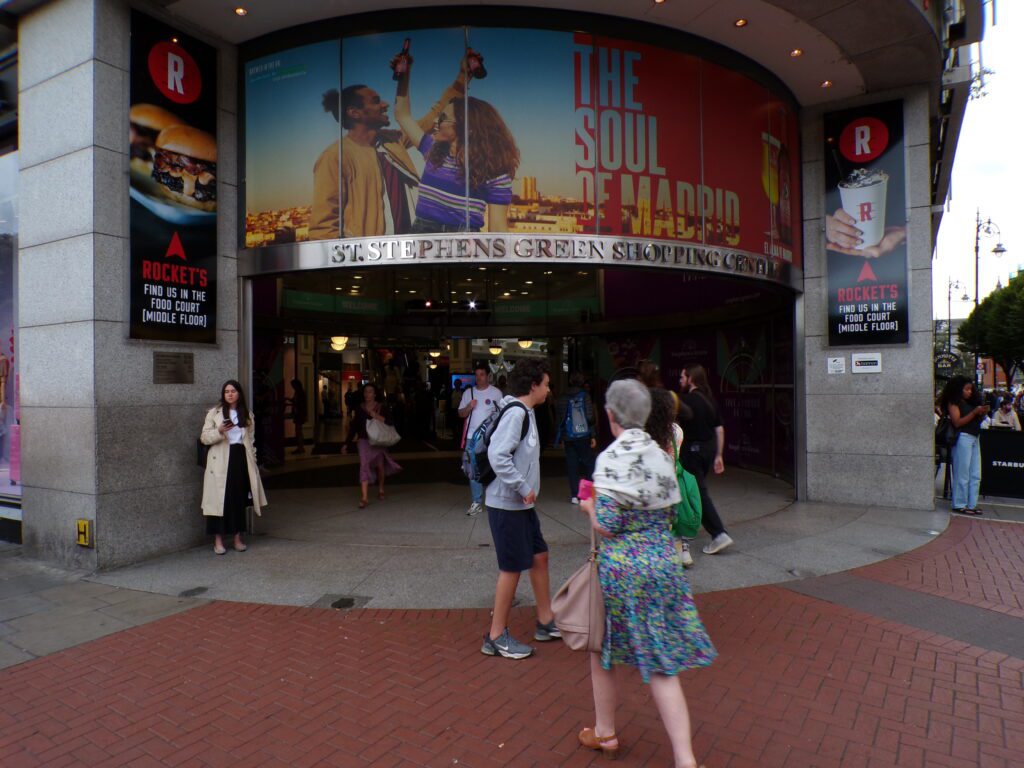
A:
x,y
232,480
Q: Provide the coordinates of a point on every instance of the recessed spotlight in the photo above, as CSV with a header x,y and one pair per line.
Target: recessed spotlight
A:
x,y
174,39
240,11
796,53
826,83
411,291
658,2
740,23
339,288
357,277
482,269
472,305
529,282
506,293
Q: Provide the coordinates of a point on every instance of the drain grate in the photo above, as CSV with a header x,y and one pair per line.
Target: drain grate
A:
x,y
340,602
194,592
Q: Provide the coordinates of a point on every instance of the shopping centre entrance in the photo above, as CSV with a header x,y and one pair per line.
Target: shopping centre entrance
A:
x,y
417,333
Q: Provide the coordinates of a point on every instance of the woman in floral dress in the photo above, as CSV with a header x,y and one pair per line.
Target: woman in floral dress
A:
x,y
651,619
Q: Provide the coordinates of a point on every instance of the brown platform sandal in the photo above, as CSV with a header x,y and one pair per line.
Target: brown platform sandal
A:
x,y
590,740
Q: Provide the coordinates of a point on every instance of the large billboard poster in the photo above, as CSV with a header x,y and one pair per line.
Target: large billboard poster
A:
x,y
866,226
516,130
173,145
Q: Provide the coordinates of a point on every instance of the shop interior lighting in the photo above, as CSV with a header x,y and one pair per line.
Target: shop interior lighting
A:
x,y
433,366
529,282
826,83
472,305
525,343
357,277
740,23
796,53
434,353
494,348
428,303
240,11
343,340
506,293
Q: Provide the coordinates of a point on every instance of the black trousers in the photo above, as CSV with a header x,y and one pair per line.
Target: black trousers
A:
x,y
579,462
237,496
698,459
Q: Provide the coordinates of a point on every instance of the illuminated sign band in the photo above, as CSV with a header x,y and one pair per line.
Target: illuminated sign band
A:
x,y
548,250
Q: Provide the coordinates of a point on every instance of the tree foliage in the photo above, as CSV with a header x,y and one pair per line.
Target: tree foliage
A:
x,y
996,328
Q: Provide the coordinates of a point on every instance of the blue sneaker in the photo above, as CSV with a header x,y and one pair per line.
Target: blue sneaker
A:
x,y
505,645
545,632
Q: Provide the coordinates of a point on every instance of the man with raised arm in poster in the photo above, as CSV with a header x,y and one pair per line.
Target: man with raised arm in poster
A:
x,y
376,191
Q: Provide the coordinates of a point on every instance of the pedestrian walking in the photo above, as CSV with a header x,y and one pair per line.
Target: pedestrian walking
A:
x,y
231,482
962,401
299,414
702,448
575,419
478,402
372,459
514,455
651,620
661,425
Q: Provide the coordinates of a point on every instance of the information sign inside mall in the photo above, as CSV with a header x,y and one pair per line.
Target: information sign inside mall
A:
x,y
866,226
173,184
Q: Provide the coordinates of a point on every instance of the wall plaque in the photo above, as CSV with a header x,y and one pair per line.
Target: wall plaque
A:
x,y
173,368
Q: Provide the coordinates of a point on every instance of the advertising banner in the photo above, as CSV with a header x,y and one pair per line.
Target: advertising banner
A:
x,y
866,226
173,213
444,130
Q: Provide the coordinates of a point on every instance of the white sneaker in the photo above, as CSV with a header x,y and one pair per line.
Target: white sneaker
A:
x,y
475,508
720,542
574,500
684,555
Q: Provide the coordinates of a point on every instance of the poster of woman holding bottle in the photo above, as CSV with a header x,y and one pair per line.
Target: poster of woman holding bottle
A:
x,y
466,185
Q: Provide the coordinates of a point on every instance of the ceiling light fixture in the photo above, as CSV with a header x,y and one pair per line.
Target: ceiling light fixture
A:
x,y
525,343
240,11
740,23
434,353
339,340
796,53
433,366
472,305
494,348
826,83
337,347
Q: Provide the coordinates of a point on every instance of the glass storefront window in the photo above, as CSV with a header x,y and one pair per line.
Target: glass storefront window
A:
x,y
10,454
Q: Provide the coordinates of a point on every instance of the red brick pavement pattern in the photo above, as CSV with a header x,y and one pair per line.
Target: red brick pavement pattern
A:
x,y
974,561
800,683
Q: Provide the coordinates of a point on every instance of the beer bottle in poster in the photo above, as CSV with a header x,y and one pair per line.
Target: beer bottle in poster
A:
x,y
785,198
475,64
400,64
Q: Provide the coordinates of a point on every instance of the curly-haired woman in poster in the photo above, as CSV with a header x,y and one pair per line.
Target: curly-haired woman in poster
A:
x,y
444,205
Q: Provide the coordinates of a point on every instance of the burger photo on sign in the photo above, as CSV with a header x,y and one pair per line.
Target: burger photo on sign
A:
x,y
185,166
173,166
145,121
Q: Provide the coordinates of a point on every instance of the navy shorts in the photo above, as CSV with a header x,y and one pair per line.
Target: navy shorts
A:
x,y
517,538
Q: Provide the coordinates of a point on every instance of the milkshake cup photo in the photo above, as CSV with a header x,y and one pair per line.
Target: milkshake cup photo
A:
x,y
863,197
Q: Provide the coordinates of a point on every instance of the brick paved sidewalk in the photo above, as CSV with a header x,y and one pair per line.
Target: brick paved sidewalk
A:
x,y
800,682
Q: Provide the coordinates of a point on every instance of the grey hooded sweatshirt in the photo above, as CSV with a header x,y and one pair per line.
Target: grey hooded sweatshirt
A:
x,y
516,463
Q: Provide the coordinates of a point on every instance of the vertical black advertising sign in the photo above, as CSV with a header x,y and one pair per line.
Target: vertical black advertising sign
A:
x,y
866,226
173,191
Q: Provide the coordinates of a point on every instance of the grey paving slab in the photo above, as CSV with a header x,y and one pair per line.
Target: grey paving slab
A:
x,y
26,584
61,628
22,605
967,623
143,607
11,655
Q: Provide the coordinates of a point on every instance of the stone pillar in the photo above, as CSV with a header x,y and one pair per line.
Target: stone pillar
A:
x,y
100,440
869,438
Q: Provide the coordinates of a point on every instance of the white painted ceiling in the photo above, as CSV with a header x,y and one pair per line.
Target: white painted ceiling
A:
x,y
768,38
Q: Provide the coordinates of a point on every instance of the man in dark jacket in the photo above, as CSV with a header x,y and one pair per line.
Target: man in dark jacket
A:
x,y
575,420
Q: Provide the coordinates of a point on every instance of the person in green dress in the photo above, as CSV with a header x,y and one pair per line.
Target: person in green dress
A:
x,y
651,620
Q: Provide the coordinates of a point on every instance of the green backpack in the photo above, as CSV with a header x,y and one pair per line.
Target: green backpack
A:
x,y
689,510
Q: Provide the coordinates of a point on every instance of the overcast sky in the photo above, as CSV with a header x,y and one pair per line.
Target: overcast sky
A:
x,y
988,172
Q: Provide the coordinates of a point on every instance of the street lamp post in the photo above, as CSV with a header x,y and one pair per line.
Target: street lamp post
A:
x,y
987,228
949,310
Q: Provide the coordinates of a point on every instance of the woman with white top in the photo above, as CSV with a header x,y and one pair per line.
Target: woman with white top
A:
x,y
232,480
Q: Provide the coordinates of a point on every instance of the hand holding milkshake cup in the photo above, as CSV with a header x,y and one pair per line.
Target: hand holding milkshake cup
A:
x,y
862,194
